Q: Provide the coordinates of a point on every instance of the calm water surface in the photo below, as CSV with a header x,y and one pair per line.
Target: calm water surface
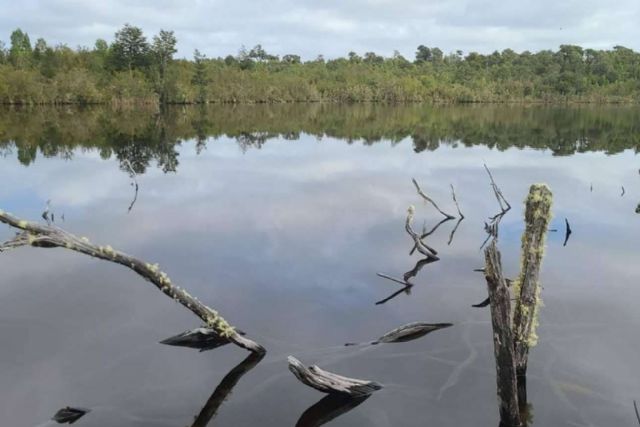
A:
x,y
280,218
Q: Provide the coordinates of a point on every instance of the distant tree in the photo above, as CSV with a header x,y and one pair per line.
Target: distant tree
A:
x,y
20,49
3,53
230,60
291,59
130,49
354,58
199,78
39,49
423,54
162,50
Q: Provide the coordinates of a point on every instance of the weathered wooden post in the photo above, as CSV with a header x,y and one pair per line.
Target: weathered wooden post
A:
x,y
512,340
502,337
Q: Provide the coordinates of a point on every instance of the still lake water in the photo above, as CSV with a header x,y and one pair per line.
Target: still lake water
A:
x,y
280,217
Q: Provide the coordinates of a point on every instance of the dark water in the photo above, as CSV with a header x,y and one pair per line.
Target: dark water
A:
x,y
280,217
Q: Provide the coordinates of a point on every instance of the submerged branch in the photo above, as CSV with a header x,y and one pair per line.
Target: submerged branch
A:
x,y
46,236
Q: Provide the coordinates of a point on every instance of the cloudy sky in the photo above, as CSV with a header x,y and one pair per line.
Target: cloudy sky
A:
x,y
334,27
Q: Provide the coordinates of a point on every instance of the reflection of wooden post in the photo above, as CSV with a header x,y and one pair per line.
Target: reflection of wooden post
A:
x,y
502,337
527,287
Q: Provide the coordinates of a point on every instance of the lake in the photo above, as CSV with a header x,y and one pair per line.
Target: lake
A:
x,y
280,217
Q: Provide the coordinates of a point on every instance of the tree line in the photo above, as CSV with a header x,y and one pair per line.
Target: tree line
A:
x,y
133,70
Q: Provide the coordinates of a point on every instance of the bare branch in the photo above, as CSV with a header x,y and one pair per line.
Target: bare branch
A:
x,y
51,236
134,182
428,199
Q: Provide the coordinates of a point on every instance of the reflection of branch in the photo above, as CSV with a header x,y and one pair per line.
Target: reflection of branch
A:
x,y
45,236
635,406
406,290
426,234
428,199
567,232
453,195
453,232
406,282
225,388
328,408
134,182
328,382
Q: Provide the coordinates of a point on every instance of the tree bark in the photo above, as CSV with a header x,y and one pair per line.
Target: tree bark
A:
x,y
527,286
500,301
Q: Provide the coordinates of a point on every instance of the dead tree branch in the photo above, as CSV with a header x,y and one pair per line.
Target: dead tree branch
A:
x,y
428,199
492,227
331,383
46,236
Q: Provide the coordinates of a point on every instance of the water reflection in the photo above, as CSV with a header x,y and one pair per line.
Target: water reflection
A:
x,y
224,389
285,240
328,408
139,138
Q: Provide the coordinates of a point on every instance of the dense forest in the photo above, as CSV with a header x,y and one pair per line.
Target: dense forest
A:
x,y
145,136
133,70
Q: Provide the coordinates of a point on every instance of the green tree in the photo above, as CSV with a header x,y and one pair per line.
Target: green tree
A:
x,y
20,50
163,49
130,49
200,79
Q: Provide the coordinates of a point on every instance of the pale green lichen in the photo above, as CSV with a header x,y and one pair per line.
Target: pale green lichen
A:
x,y
23,224
537,216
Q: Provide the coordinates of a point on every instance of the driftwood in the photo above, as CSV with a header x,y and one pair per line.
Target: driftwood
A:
x,y
502,337
202,339
428,199
69,415
223,390
46,236
408,332
327,409
331,383
527,288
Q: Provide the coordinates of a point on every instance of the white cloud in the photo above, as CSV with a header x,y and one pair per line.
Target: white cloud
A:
x,y
333,27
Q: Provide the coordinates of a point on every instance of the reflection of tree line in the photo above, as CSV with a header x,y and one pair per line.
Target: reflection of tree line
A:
x,y
144,137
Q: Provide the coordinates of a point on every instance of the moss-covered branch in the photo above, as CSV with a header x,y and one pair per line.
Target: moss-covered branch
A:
x,y
39,235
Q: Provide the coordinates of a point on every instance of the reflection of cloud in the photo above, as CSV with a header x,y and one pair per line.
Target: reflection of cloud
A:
x,y
285,241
